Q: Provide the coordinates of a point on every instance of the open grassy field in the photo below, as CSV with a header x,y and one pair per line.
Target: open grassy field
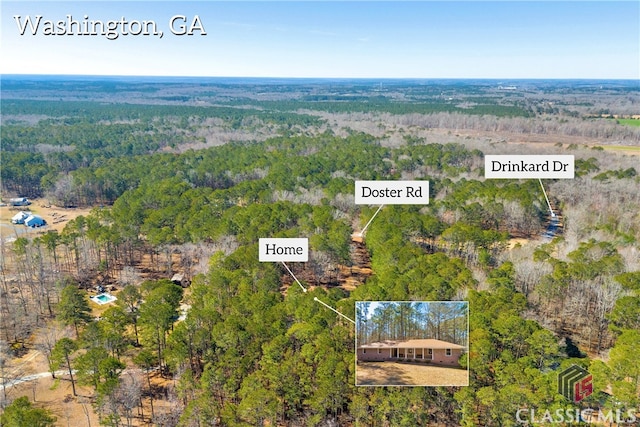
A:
x,y
56,217
625,149
629,122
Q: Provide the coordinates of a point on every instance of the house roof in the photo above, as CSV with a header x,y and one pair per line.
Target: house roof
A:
x,y
34,218
424,343
20,215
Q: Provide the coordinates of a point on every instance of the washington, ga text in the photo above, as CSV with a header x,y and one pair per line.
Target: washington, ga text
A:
x,y
179,25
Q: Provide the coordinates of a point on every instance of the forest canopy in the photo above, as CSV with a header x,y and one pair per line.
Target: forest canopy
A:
x,y
180,181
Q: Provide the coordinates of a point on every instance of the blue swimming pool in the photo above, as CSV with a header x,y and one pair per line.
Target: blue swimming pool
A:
x,y
103,298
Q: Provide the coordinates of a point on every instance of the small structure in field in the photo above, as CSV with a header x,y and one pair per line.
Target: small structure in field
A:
x,y
19,201
19,217
180,280
418,350
34,221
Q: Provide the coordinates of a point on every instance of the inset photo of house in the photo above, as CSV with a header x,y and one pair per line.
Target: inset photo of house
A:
x,y
412,343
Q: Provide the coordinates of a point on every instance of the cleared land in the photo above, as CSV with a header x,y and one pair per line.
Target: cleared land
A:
x,y
631,150
56,394
56,217
629,122
392,373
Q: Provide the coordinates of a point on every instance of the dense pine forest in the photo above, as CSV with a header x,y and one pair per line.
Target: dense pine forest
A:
x,y
181,178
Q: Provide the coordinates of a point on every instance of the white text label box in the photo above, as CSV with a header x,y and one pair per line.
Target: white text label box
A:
x,y
529,166
283,249
392,193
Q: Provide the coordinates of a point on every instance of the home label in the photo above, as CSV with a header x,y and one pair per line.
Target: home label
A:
x,y
283,249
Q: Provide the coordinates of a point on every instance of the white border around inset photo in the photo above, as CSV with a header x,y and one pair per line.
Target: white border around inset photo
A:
x,y
411,343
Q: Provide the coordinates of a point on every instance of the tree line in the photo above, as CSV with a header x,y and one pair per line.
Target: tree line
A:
x,y
401,321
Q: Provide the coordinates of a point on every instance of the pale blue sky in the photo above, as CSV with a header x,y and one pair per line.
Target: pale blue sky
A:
x,y
417,39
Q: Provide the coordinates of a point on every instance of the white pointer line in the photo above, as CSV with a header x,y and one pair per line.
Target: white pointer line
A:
x,y
333,309
292,275
365,227
547,199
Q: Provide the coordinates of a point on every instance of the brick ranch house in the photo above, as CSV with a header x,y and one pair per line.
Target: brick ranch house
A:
x,y
424,350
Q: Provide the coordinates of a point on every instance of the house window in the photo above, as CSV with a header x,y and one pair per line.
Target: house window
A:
x,y
448,352
364,351
430,352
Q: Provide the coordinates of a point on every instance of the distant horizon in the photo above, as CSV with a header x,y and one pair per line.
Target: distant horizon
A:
x,y
372,79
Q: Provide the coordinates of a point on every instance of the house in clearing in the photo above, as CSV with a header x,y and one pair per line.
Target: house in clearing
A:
x,y
418,350
19,201
19,217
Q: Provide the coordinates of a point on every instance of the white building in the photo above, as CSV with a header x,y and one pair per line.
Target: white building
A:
x,y
19,217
